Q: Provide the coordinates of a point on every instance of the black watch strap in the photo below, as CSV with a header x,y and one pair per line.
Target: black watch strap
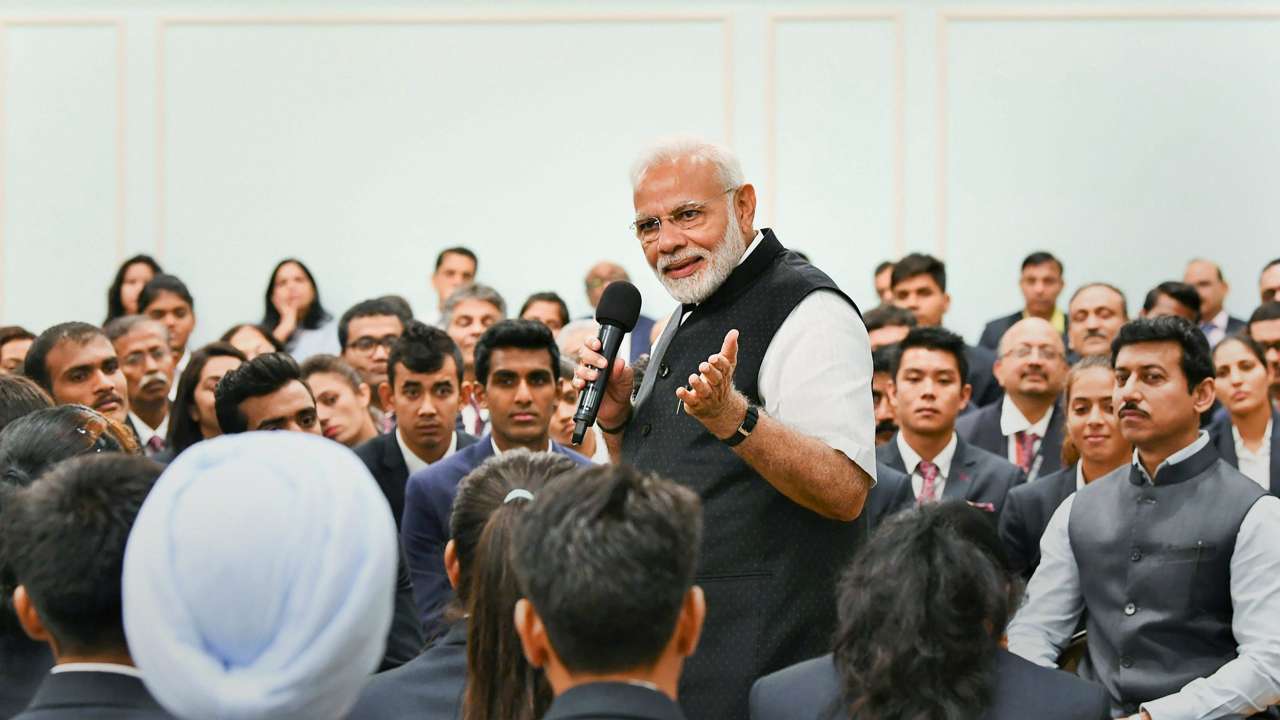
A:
x,y
744,430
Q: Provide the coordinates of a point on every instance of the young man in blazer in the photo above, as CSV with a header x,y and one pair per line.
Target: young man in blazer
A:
x,y
517,379
424,388
73,526
929,391
1041,284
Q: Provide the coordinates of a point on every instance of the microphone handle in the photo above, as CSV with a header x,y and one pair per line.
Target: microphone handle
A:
x,y
592,395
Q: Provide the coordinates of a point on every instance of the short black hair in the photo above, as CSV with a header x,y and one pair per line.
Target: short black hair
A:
x,y
547,297
260,376
64,540
458,250
400,304
20,395
1182,293
32,443
606,556
422,348
934,338
164,284
35,365
1197,359
882,266
115,304
1266,311
10,333
888,316
1124,301
1040,257
882,359
919,264
521,334
264,332
376,307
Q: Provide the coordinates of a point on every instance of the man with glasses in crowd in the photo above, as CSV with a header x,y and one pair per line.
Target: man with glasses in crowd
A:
x,y
367,332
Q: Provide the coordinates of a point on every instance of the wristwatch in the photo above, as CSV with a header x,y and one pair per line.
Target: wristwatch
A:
x,y
744,430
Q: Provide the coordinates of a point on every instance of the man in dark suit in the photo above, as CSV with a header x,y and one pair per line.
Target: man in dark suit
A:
x,y
424,388
72,527
1026,427
517,372
929,391
920,285
606,560
1027,510
1041,284
1206,277
142,344
638,341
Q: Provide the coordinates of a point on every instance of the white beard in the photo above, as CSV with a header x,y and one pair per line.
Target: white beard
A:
x,y
720,263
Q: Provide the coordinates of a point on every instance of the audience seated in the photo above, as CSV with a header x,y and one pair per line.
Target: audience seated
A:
x,y
289,619
1095,313
467,314
423,389
64,538
639,341
142,344
882,393
1247,437
194,416
606,560
252,340
167,300
1206,277
887,325
480,640
1041,283
929,390
1093,447
455,268
547,308
366,333
920,285
517,375
1173,298
1264,329
342,400
1269,282
131,277
294,314
76,364
922,610
15,341
1025,427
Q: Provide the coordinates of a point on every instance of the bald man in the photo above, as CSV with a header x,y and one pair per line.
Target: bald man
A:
x,y
636,343
1206,278
1027,426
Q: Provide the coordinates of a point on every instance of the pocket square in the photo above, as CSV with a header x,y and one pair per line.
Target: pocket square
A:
x,y
989,507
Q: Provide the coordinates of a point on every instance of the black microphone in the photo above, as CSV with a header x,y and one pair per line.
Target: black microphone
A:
x,y
617,313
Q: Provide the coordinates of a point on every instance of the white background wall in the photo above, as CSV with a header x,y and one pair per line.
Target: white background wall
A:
x,y
364,136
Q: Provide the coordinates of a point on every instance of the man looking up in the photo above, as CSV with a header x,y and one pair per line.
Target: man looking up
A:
x,y
1041,284
920,285
517,381
1264,328
467,314
1172,298
76,364
1096,312
143,347
424,389
455,268
929,390
1174,559
1026,427
1206,278
606,559
72,526
366,333
758,397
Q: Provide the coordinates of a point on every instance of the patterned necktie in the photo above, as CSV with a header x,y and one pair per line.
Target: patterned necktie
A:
x,y
929,490
155,446
477,428
1025,443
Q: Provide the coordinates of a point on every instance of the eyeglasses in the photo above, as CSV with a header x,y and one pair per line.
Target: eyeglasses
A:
x,y
1023,352
367,343
688,216
97,429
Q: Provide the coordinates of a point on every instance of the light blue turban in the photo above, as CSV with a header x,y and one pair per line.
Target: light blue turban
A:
x,y
259,579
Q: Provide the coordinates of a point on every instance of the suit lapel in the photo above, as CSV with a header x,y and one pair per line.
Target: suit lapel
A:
x,y
1052,445
655,358
1225,442
392,458
961,483
893,458
990,438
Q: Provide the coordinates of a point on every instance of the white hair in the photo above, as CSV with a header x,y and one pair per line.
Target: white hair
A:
x,y
667,150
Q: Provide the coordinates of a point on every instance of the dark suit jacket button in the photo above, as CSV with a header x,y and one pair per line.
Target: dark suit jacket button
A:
x,y
1136,555
646,429
664,370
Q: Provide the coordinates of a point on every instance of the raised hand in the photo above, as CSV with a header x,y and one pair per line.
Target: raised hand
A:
x,y
710,397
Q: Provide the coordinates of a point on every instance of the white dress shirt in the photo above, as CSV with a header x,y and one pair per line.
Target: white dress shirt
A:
x,y
415,463
96,667
1215,329
815,376
911,460
1246,684
177,371
1080,482
498,451
146,432
1255,465
1013,421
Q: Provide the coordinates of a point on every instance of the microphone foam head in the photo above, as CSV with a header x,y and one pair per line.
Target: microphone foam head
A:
x,y
619,306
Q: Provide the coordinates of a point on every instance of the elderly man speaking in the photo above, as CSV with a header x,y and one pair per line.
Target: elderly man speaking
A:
x,y
758,396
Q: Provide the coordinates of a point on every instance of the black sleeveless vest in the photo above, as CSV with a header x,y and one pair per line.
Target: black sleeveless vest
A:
x,y
1155,573
768,566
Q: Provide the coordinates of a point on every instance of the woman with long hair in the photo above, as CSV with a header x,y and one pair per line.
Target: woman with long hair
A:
x,y
477,669
193,417
294,314
1246,437
131,277
922,612
1091,448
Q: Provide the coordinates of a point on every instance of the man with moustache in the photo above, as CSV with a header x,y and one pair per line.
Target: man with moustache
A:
x,y
1096,312
76,364
142,345
757,396
1206,277
468,313
1174,559
882,393
1264,328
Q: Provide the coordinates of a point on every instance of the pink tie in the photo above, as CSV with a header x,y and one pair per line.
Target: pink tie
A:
x,y
1025,442
929,490
155,445
478,428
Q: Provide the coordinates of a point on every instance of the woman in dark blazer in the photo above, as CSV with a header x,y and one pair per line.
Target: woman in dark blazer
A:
x,y
922,610
1246,436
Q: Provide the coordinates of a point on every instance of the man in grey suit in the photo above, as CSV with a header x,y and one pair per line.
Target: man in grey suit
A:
x,y
929,391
